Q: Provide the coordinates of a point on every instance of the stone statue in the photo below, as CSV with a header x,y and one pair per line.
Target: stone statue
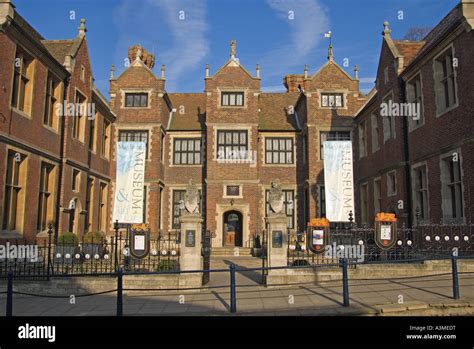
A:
x,y
191,198
276,197
233,47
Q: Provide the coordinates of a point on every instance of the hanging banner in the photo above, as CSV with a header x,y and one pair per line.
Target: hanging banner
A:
x,y
338,180
129,186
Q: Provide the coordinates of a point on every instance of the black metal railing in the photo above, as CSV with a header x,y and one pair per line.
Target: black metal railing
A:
x,y
53,256
358,244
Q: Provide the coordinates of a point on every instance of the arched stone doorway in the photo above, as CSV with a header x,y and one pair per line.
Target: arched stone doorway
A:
x,y
232,232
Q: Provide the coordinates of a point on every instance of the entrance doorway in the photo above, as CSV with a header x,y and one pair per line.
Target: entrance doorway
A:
x,y
232,229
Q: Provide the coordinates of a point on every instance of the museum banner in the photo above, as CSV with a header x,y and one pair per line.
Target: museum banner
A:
x,y
129,188
338,180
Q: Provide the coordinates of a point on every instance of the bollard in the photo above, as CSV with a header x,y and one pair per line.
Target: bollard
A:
x,y
455,277
345,283
119,292
233,299
10,294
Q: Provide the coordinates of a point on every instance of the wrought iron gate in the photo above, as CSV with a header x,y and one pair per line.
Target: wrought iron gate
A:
x,y
206,254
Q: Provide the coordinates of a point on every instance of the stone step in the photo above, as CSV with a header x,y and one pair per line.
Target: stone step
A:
x,y
231,251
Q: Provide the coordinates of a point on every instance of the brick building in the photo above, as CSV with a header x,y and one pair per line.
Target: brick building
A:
x,y
54,165
420,166
233,140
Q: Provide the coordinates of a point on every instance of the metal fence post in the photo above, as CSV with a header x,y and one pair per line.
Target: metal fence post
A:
x,y
345,283
10,294
116,228
49,264
233,298
119,292
455,277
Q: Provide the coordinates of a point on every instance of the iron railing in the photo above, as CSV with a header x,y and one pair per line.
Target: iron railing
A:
x,y
423,241
54,256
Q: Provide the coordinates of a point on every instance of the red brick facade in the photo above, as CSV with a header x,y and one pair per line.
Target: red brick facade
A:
x,y
433,160
398,165
294,117
35,144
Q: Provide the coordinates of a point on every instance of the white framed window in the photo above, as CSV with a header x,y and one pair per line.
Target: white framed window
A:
x,y
187,151
392,183
232,99
375,132
414,96
445,81
279,150
452,190
332,100
420,192
388,120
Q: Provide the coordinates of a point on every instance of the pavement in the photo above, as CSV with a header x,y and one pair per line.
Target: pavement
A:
x,y
421,296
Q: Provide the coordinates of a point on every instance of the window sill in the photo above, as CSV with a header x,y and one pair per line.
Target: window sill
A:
x,y
445,111
184,165
413,128
10,234
278,165
51,129
22,113
135,108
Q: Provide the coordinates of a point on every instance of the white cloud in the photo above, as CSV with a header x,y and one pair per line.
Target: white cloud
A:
x,y
145,24
306,32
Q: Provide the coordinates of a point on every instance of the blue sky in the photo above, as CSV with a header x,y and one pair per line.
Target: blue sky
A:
x,y
264,32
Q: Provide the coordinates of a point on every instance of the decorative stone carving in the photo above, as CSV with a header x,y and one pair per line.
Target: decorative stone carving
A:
x,y
276,197
233,48
191,198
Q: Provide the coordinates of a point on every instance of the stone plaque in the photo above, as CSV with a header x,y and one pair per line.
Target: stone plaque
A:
x,y
277,239
190,240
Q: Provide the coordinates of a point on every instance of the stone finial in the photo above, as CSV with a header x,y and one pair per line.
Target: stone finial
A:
x,y
386,29
233,48
207,70
82,28
163,71
258,71
356,72
305,71
330,53
112,72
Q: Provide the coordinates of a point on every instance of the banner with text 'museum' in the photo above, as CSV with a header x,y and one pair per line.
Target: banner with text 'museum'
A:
x,y
338,180
129,189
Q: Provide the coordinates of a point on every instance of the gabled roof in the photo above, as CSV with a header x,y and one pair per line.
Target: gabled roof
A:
x,y
273,111
138,63
331,62
190,111
233,63
408,49
59,49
